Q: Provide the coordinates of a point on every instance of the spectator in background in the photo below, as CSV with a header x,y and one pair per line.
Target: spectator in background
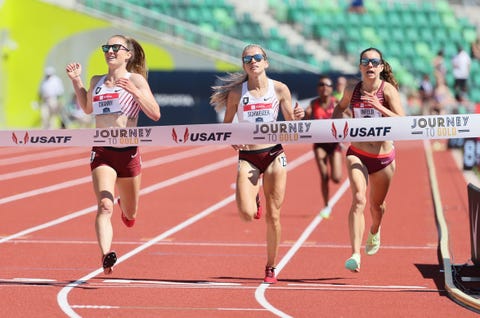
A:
x,y
426,94
476,49
439,69
74,116
326,154
443,99
340,87
461,72
414,103
356,6
50,95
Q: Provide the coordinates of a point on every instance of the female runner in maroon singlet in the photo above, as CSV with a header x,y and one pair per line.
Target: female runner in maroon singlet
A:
x,y
326,154
374,162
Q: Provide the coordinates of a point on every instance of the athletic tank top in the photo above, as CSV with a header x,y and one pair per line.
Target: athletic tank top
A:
x,y
258,110
109,100
360,109
318,112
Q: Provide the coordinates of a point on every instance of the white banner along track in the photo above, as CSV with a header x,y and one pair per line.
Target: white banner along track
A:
x,y
282,132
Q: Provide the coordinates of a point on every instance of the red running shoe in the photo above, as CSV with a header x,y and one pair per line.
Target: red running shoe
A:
x,y
108,260
258,215
270,275
127,222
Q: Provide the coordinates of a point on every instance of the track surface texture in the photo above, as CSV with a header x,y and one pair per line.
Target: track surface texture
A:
x,y
190,255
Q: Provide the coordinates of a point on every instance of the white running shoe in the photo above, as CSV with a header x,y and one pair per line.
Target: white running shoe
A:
x,y
373,243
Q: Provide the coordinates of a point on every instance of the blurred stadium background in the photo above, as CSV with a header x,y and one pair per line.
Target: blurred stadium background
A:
x,y
189,43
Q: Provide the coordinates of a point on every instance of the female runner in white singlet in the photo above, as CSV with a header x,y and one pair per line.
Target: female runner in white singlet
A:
x,y
255,98
116,99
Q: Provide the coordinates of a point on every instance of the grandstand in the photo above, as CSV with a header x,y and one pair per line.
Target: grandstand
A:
x,y
409,33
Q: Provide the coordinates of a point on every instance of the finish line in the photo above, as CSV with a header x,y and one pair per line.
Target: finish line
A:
x,y
284,132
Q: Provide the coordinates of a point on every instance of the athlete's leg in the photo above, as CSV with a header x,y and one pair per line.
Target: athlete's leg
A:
x,y
336,165
274,185
321,159
129,191
379,185
104,185
358,176
247,187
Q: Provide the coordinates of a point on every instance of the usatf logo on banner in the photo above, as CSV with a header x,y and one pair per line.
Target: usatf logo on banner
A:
x,y
181,140
16,140
353,132
123,136
282,131
340,135
431,126
43,139
200,136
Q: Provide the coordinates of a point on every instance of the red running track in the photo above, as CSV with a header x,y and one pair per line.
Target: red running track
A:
x,y
190,255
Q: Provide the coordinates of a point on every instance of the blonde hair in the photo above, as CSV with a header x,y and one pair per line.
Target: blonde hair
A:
x,y
218,99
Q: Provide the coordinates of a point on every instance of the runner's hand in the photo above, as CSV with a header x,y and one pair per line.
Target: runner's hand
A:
x,y
73,70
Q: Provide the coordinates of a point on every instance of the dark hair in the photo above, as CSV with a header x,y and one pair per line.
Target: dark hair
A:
x,y
387,73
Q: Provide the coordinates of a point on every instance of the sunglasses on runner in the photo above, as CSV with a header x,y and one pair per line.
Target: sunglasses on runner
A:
x,y
248,58
115,48
375,62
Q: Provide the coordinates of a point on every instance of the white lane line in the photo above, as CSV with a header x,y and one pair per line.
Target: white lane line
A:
x,y
40,156
341,287
260,291
167,282
44,169
213,244
30,280
56,153
75,182
163,184
62,296
166,308
52,188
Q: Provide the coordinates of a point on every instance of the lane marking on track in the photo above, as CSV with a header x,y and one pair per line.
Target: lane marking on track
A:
x,y
49,153
71,183
160,185
95,307
260,291
219,244
62,296
166,282
356,287
43,169
126,283
31,280
41,156
166,308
